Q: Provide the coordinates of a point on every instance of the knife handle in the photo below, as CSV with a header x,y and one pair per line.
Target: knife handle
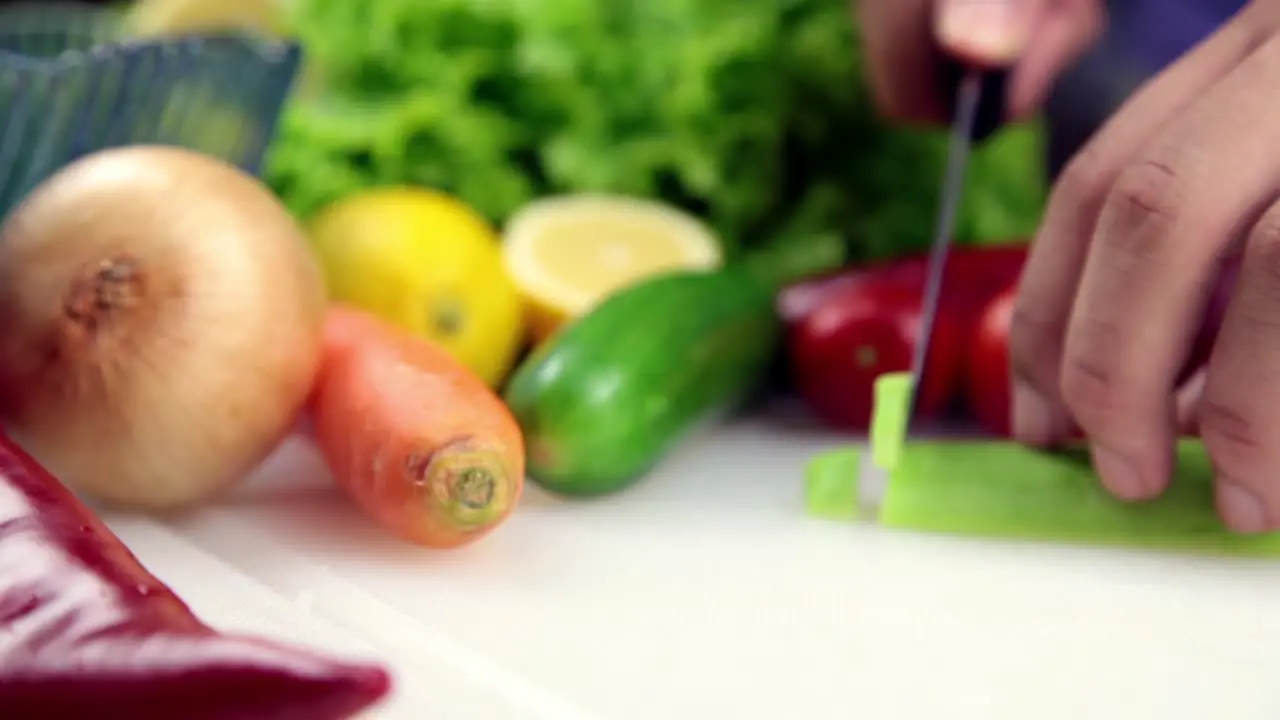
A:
x,y
993,101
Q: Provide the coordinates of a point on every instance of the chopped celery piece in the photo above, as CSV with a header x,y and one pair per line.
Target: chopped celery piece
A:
x,y
1001,489
889,420
831,484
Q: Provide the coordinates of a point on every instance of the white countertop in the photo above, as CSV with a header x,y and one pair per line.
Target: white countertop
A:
x,y
706,593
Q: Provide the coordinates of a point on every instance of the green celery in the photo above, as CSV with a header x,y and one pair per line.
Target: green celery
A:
x,y
1002,489
889,419
831,484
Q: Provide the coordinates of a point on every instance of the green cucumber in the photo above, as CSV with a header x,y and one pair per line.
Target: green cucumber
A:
x,y
1002,489
606,398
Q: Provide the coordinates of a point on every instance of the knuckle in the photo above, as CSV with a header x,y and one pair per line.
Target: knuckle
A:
x,y
1230,436
1089,389
1035,342
1090,381
1147,195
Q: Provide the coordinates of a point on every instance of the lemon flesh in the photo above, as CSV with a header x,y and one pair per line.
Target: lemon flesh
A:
x,y
568,253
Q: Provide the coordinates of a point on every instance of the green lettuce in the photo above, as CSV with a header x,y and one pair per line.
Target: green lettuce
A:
x,y
755,116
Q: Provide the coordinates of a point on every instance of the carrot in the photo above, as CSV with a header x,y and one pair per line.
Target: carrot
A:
x,y
420,443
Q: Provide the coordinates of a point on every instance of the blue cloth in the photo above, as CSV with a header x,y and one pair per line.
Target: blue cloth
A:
x,y
1157,32
1142,38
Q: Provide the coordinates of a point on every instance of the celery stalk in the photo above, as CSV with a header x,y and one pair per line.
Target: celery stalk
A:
x,y
889,418
1002,489
831,484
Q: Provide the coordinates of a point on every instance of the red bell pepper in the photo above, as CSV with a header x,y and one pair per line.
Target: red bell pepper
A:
x,y
837,352
87,632
847,329
973,276
988,388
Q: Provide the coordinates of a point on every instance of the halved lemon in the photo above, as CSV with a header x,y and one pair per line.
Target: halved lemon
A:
x,y
568,253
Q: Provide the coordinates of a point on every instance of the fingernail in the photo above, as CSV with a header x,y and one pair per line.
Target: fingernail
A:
x,y
1034,421
1119,475
985,29
1241,509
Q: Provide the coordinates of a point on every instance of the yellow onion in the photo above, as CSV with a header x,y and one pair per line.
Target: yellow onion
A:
x,y
160,320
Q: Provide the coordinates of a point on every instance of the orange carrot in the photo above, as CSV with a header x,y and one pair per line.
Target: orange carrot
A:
x,y
421,443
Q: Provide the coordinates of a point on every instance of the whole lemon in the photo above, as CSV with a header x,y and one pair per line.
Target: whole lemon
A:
x,y
152,18
429,263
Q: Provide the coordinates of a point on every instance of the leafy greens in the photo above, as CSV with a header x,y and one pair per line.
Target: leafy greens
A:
x,y
754,115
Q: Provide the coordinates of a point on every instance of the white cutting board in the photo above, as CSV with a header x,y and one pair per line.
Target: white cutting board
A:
x,y
705,593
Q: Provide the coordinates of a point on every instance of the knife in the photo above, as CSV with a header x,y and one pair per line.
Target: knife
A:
x,y
977,114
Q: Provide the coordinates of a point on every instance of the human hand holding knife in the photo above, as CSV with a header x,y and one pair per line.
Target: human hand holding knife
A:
x,y
978,102
979,49
978,63
975,64
993,96
915,51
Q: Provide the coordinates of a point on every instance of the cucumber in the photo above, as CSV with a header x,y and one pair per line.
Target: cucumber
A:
x,y
606,398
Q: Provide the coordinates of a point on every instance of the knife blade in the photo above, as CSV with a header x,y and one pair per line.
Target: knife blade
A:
x,y
979,108
978,112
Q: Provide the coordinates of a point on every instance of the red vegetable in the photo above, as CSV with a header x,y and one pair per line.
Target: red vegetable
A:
x,y
87,632
421,443
838,351
988,387
974,275
847,329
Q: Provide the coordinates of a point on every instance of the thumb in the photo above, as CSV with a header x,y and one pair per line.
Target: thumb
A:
x,y
986,32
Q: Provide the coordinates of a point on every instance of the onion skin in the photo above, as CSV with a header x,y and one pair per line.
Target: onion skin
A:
x,y
160,325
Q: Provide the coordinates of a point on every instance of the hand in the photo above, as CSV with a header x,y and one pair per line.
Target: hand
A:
x,y
1185,178
1038,38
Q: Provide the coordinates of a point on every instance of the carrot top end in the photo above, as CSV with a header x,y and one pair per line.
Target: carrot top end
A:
x,y
467,485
